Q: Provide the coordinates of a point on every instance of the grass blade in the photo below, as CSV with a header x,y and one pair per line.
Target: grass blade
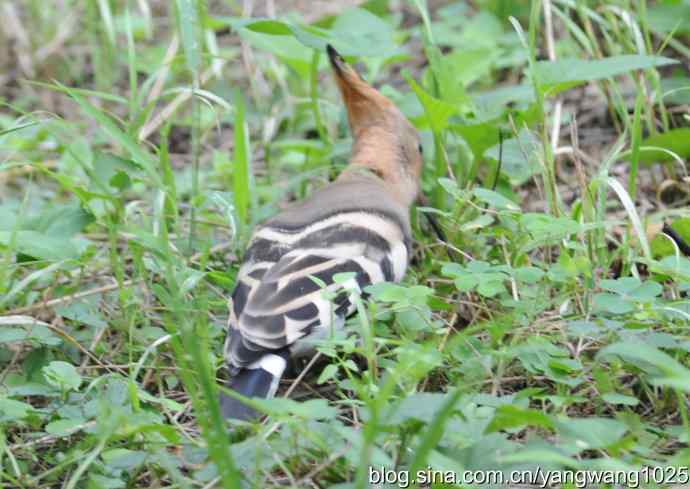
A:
x,y
632,215
241,182
636,140
111,129
131,65
188,24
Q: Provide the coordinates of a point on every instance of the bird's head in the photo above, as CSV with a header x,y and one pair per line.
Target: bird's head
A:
x,y
384,140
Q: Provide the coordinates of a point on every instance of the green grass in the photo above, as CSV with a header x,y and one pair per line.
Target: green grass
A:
x,y
141,143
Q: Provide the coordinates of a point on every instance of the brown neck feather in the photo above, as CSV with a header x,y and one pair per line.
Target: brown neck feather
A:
x,y
375,148
376,151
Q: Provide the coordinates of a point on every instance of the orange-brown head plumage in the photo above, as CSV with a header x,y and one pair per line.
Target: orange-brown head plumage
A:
x,y
384,140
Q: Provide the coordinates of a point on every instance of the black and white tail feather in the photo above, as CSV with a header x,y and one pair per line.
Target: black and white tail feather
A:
x,y
356,224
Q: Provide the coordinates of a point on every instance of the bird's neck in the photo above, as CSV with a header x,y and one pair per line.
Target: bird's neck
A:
x,y
376,148
377,154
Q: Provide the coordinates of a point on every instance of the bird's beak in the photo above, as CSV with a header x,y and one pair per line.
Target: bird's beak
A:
x,y
365,105
337,62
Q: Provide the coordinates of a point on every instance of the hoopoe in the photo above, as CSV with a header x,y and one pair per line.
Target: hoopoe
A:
x,y
359,223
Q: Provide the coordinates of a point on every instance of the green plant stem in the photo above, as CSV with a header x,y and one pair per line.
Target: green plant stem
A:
x,y
196,128
314,94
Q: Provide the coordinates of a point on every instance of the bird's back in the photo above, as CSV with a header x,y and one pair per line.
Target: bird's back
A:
x,y
347,226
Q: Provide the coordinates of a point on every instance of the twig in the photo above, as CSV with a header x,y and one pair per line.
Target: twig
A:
x,y
14,26
51,438
513,283
92,346
71,297
157,87
301,375
170,109
551,51
65,30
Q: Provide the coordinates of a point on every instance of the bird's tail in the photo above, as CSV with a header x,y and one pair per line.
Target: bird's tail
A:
x,y
259,379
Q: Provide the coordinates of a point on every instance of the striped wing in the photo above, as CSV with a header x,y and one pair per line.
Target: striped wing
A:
x,y
277,304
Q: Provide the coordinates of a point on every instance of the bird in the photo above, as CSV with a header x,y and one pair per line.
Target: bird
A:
x,y
359,223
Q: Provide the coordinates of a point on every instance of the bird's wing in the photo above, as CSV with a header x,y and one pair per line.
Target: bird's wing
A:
x,y
277,304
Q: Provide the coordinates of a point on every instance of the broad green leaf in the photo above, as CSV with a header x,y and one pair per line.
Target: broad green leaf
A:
x,y
419,405
493,103
437,111
473,65
11,410
85,311
495,199
311,409
676,141
467,29
327,373
445,75
509,416
63,427
479,137
591,433
666,17
491,284
400,294
43,246
466,282
123,458
266,26
358,32
544,226
613,398
529,275
488,280
10,335
355,32
625,293
37,333
62,375
414,319
287,48
675,90
613,303
564,73
543,455
519,157
643,355
61,221
97,481
114,174
623,286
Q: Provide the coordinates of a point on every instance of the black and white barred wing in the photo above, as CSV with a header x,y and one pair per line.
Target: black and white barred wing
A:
x,y
285,306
